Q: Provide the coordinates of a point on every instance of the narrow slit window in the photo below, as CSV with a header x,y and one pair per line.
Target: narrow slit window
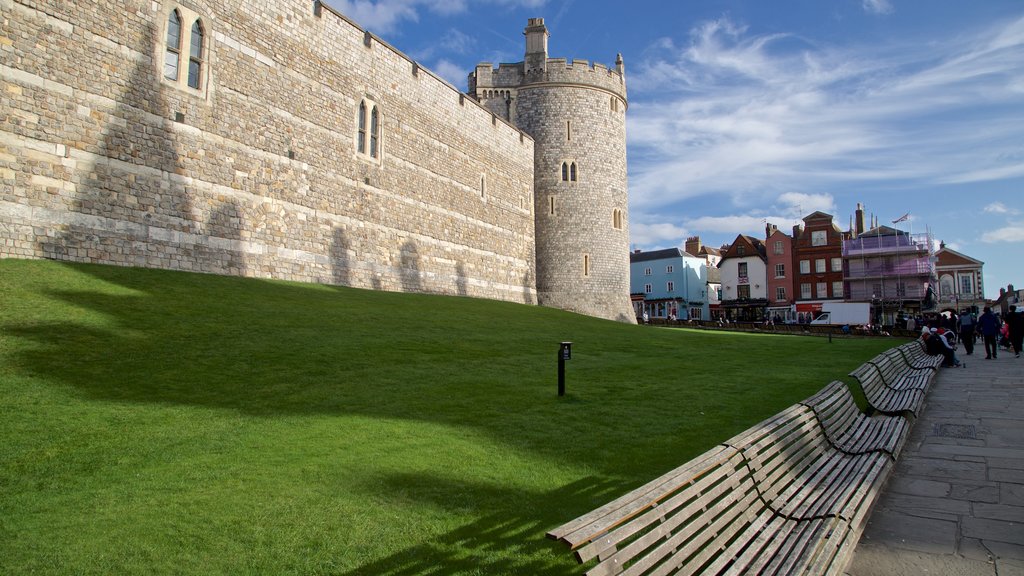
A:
x,y
565,171
172,53
195,58
551,205
586,264
572,171
568,130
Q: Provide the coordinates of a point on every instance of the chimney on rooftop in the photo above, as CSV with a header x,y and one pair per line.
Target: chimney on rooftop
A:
x,y
693,245
860,219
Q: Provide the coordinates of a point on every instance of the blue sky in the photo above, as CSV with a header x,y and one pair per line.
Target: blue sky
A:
x,y
742,111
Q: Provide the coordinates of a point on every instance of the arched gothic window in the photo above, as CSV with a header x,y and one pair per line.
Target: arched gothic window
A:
x,y
172,51
368,134
195,57
568,171
361,141
374,132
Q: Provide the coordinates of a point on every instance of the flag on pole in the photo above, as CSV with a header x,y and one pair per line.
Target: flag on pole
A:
x,y
901,218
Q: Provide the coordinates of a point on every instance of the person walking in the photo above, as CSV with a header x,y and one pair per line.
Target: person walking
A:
x,y
1015,322
988,325
967,330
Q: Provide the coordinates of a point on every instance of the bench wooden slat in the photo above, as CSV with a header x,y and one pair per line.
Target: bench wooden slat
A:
x,y
699,495
849,429
790,495
917,357
883,398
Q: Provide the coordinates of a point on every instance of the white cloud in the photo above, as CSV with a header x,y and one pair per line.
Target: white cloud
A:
x,y
878,7
998,208
1013,233
384,16
451,72
656,235
736,113
803,204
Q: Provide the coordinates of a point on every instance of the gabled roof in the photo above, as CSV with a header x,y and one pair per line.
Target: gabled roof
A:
x,y
659,255
883,231
747,241
948,257
817,215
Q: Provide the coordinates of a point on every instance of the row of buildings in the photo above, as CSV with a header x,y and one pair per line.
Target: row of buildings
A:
x,y
788,277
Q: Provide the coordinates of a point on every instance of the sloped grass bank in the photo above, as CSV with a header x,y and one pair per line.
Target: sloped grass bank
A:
x,y
158,422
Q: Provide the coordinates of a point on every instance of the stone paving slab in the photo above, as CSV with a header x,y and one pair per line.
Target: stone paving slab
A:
x,y
954,504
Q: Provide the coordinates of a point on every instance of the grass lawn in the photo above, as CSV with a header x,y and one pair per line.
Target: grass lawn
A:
x,y
157,422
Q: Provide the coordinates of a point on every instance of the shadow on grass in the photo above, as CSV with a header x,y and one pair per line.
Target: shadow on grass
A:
x,y
503,542
265,349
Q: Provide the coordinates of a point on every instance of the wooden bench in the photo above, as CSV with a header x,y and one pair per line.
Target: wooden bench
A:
x,y
779,498
884,398
917,357
898,374
850,430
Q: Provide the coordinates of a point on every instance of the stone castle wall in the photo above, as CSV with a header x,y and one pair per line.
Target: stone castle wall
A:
x,y
256,173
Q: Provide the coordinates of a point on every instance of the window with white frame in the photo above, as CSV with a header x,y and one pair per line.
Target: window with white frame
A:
x,y
671,286
805,266
819,238
669,269
779,248
780,270
819,266
837,264
647,271
822,289
837,289
780,293
648,288
805,290
967,284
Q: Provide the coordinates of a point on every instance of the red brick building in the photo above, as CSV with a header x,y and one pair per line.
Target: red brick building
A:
x,y
818,263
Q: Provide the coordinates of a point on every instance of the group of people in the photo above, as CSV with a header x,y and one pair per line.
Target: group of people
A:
x,y
941,337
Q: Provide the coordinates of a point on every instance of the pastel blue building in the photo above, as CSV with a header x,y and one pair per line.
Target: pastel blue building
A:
x,y
669,282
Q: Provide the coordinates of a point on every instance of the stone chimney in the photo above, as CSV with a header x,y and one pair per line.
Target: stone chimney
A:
x,y
769,229
693,245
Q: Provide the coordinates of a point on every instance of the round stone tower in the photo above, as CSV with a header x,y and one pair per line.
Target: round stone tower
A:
x,y
576,114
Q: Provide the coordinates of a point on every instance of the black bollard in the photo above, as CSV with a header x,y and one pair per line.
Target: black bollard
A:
x,y
564,353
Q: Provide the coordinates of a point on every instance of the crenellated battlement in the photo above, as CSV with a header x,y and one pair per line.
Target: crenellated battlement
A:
x,y
557,71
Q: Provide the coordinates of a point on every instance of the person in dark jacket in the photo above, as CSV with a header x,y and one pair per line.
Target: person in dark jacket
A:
x,y
1015,322
988,325
936,345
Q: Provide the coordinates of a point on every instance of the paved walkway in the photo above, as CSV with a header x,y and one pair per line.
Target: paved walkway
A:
x,y
954,504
